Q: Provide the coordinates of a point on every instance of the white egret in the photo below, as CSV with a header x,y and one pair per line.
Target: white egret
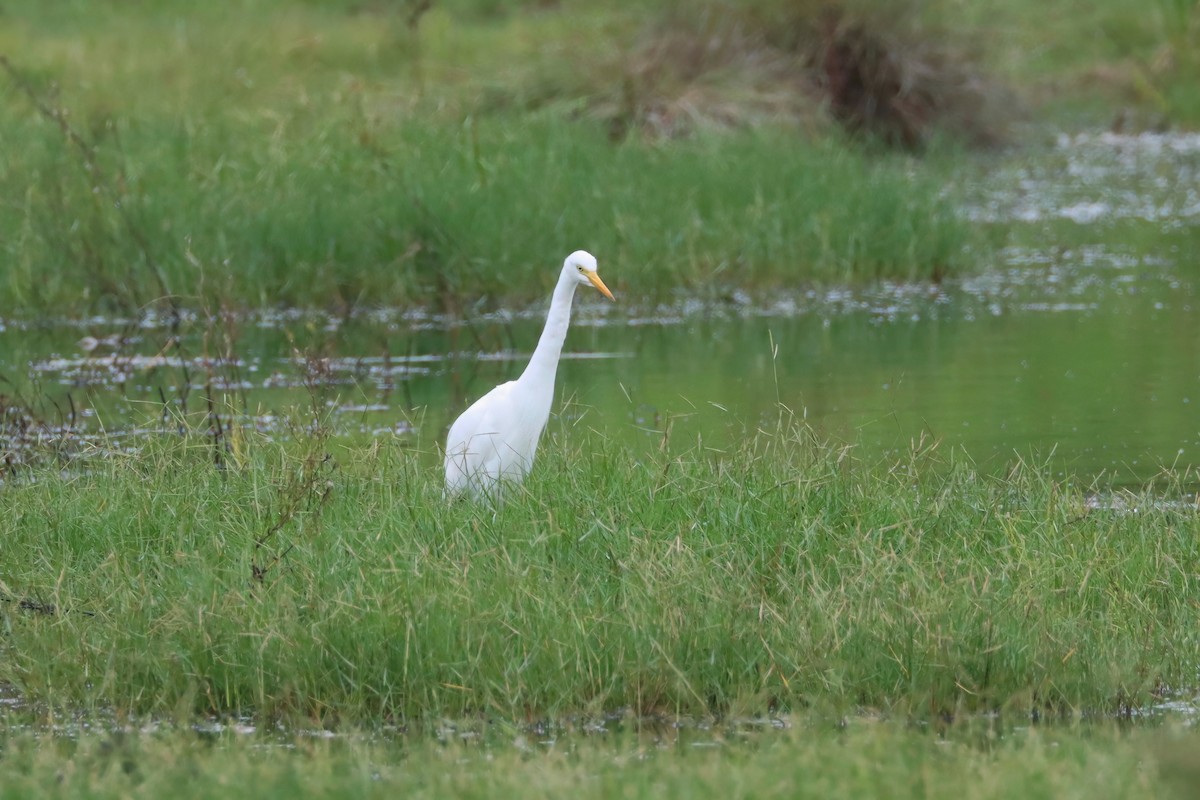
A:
x,y
494,441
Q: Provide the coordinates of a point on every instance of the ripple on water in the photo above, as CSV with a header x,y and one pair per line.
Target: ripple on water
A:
x,y
1100,177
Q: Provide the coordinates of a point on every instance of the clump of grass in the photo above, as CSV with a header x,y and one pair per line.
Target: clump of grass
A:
x,y
883,70
432,215
780,575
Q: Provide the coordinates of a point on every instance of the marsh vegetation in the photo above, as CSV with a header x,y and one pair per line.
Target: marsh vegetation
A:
x,y
881,478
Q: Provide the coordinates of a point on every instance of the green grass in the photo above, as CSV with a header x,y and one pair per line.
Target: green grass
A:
x,y
432,215
779,575
309,154
1094,62
863,759
329,154
270,153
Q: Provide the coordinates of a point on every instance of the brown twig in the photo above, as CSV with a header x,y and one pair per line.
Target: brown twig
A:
x,y
38,607
310,485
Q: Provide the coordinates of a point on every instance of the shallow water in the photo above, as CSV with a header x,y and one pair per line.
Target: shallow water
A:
x,y
1084,356
17,716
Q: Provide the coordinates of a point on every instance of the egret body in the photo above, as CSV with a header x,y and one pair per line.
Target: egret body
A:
x,y
494,441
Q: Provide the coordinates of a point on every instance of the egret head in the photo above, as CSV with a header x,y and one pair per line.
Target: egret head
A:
x,y
582,265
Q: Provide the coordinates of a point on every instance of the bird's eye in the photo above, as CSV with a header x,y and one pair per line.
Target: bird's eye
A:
x,y
580,268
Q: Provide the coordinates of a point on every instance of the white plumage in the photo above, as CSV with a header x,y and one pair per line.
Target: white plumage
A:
x,y
494,441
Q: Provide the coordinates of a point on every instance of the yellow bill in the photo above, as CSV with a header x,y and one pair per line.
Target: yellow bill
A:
x,y
599,284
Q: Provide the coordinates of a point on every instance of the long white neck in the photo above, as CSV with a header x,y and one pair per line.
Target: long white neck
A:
x,y
544,362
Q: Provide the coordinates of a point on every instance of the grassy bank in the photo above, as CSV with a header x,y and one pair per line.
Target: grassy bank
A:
x,y
429,215
782,575
282,153
862,760
1113,62
332,154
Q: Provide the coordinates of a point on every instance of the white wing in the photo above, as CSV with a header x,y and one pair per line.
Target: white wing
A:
x,y
496,438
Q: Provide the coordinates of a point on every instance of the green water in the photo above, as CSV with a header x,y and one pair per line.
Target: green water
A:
x,y
1095,368
1080,348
